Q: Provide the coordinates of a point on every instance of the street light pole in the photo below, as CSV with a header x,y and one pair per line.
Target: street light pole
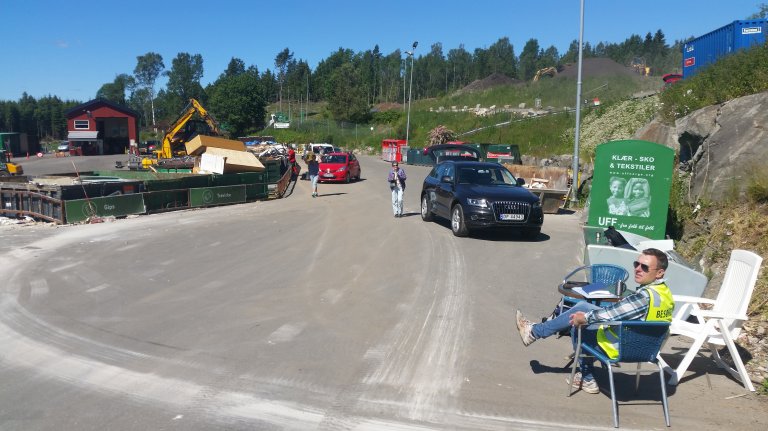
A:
x,y
575,167
405,73
410,93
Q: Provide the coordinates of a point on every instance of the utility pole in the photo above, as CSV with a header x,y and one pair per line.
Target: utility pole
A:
x,y
410,95
575,167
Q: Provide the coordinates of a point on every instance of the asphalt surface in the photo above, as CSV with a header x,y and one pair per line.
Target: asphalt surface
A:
x,y
305,313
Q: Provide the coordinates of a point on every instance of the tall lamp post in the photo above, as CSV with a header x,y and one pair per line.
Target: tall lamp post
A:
x,y
410,90
575,167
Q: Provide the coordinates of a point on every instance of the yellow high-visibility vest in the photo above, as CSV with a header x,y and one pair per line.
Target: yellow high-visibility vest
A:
x,y
660,309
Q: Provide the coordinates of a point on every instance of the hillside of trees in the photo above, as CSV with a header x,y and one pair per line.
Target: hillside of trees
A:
x,y
346,84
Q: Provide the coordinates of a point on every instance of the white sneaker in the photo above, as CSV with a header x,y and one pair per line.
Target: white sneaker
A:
x,y
524,326
588,386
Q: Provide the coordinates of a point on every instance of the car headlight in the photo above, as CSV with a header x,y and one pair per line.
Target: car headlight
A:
x,y
342,169
536,204
477,202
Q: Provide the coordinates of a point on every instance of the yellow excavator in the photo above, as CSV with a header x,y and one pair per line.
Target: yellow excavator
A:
x,y
182,130
547,71
8,168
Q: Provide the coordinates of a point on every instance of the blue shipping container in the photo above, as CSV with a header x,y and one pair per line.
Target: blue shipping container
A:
x,y
706,49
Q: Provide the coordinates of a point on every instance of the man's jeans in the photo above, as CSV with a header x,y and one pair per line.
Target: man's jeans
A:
x,y
562,322
397,200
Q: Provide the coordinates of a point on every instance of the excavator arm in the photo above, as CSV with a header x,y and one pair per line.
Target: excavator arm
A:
x,y
166,152
547,71
207,117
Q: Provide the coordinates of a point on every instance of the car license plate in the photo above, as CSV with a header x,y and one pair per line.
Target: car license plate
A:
x,y
327,175
511,217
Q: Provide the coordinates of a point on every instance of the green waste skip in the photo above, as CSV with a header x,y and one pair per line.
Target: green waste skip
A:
x,y
210,196
79,210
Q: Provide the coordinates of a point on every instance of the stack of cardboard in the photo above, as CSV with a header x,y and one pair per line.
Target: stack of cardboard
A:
x,y
236,158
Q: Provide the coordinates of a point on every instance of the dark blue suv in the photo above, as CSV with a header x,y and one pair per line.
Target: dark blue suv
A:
x,y
474,195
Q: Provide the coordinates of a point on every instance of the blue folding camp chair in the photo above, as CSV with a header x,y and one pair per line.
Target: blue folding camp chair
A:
x,y
638,342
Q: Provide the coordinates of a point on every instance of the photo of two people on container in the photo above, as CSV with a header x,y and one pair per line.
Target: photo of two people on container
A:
x,y
629,197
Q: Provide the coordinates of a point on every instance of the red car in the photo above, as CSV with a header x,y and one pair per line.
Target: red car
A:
x,y
339,167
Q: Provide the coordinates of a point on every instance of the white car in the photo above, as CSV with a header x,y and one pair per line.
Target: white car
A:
x,y
321,149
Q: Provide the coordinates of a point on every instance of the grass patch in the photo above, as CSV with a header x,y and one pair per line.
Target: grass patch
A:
x,y
736,75
541,136
757,185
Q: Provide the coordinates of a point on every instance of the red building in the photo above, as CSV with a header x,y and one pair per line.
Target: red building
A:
x,y
102,127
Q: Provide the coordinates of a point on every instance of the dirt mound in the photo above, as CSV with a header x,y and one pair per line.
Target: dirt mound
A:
x,y
381,107
590,67
595,67
492,80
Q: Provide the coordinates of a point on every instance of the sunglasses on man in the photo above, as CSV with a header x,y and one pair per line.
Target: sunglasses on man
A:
x,y
643,267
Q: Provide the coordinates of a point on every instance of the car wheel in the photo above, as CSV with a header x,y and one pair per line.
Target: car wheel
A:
x,y
426,209
347,178
532,233
357,178
458,226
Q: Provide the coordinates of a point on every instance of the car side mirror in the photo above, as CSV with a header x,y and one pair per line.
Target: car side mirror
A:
x,y
446,179
520,181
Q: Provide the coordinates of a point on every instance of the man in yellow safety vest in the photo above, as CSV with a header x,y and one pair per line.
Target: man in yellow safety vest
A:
x,y
652,302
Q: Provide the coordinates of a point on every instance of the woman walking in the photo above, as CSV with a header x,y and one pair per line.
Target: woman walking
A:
x,y
313,169
396,180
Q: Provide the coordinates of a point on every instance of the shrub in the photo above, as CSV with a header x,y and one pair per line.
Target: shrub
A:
x,y
387,117
757,185
440,135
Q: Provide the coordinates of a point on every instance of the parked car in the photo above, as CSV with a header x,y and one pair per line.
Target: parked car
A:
x,y
148,147
339,167
478,195
63,147
321,149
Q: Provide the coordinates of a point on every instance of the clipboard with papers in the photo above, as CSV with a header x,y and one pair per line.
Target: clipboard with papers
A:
x,y
595,291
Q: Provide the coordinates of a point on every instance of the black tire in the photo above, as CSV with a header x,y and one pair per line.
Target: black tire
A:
x,y
426,209
531,233
347,178
458,224
360,172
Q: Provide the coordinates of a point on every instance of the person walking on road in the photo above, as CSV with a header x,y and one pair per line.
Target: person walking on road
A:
x,y
397,186
292,165
313,170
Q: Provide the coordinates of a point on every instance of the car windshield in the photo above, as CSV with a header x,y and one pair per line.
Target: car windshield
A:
x,y
485,175
335,158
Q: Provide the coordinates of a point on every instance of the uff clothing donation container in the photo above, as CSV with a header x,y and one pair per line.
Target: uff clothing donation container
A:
x,y
392,150
707,49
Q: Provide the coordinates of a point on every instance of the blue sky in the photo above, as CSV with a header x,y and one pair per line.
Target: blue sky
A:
x,y
66,49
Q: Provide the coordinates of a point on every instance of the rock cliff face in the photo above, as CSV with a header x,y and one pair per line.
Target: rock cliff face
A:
x,y
718,144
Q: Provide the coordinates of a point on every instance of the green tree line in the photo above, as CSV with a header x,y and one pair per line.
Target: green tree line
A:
x,y
351,83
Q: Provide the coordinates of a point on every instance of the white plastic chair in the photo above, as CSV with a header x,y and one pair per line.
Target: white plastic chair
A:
x,y
721,325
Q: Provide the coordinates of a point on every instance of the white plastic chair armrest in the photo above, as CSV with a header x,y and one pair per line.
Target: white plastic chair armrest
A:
x,y
717,315
692,299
